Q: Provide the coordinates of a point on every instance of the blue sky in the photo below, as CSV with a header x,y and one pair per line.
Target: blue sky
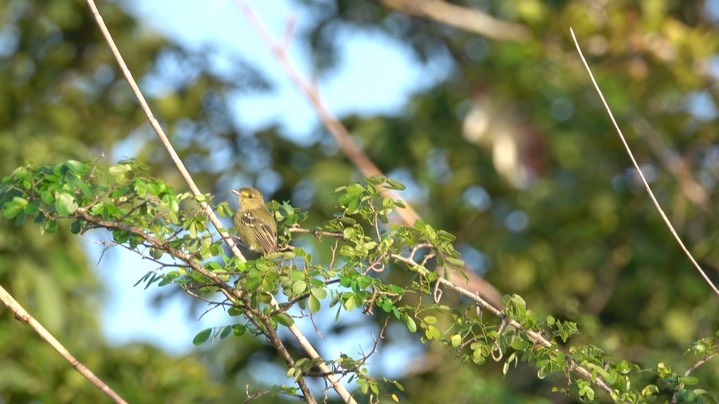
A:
x,y
375,75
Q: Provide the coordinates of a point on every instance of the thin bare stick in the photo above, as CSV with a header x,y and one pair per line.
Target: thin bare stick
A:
x,y
22,315
161,133
358,158
639,170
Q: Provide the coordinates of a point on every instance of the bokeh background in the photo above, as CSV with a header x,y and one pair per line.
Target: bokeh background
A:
x,y
501,142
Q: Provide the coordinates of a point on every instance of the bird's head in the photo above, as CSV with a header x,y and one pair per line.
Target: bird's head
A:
x,y
248,196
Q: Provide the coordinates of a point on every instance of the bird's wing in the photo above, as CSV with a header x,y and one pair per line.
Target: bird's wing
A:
x,y
265,235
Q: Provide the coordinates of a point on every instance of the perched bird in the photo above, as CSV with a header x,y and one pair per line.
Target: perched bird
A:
x,y
256,227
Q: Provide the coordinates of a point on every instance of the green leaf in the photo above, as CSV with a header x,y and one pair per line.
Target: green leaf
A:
x,y
253,283
520,344
511,359
50,225
454,261
65,204
314,304
411,325
32,208
688,380
299,287
140,187
284,319
477,357
234,312
650,390
348,301
20,219
155,188
202,336
168,278
14,207
156,253
224,209
80,184
75,227
319,293
47,197
430,319
239,329
455,340
347,220
432,332
394,184
663,370
119,171
77,167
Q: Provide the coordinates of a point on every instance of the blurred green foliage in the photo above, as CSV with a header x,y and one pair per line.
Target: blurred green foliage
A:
x,y
567,226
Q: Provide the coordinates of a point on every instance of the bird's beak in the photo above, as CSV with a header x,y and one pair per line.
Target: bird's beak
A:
x,y
236,192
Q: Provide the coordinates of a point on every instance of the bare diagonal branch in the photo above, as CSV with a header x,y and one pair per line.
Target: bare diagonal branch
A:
x,y
160,132
22,315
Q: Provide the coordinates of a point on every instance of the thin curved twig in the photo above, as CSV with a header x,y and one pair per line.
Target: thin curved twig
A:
x,y
639,170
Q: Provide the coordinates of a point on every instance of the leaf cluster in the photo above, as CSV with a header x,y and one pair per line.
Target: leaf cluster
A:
x,y
145,215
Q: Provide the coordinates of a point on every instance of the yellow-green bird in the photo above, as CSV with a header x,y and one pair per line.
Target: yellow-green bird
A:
x,y
256,227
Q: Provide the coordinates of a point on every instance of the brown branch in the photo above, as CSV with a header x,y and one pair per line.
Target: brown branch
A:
x,y
22,315
468,19
699,363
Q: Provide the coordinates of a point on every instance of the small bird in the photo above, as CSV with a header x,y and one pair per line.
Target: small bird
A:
x,y
256,227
